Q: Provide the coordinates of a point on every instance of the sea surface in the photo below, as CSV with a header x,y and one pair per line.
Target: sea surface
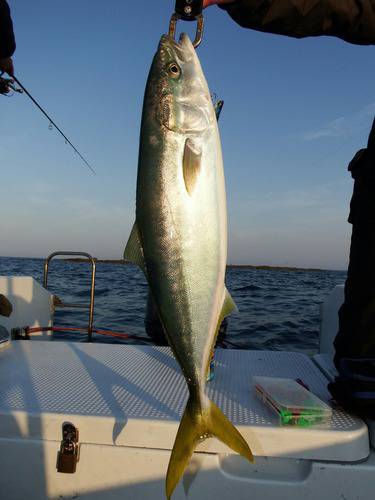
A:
x,y
277,309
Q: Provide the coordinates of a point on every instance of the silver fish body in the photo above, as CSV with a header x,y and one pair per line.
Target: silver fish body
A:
x,y
180,234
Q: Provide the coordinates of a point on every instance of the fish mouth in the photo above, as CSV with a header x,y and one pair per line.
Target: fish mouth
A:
x,y
183,48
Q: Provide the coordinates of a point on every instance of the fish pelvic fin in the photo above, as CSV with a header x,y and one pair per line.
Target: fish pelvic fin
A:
x,y
229,306
196,425
134,251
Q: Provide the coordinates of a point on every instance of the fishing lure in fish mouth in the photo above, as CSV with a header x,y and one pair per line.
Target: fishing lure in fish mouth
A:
x,y
179,238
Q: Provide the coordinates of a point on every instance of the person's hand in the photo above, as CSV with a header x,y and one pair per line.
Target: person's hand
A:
x,y
7,66
206,3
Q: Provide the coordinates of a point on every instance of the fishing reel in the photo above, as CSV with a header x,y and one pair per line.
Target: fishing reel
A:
x,y
8,85
188,10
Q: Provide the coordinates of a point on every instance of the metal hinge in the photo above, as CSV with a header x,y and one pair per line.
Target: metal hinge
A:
x,y
68,455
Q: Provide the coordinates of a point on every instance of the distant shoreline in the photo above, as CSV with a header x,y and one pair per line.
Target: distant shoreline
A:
x,y
232,266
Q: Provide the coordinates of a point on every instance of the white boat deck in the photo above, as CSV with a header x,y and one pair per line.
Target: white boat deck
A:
x,y
135,395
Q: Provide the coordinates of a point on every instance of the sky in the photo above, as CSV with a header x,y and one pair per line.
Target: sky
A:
x,y
295,113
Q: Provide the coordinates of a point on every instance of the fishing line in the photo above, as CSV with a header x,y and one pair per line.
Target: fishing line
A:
x,y
51,122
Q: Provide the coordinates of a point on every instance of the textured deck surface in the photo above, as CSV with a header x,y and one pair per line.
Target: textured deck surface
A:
x,y
135,396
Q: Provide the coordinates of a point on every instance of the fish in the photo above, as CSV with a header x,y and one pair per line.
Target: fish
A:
x,y
179,238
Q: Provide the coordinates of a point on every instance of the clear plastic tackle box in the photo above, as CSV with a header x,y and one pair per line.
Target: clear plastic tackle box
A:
x,y
292,403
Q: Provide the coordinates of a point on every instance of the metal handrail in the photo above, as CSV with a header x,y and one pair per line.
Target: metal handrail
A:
x,y
89,306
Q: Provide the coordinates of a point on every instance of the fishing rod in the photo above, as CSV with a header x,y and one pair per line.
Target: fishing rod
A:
x,y
6,84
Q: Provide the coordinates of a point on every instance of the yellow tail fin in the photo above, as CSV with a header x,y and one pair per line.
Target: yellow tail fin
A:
x,y
195,426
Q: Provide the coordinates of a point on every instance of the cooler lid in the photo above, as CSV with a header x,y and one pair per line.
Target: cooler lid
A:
x,y
127,395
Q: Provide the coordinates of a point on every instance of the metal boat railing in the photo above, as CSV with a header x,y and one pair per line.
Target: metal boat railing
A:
x,y
70,305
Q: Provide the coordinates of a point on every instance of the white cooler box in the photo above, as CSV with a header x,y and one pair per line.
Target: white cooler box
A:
x,y
127,401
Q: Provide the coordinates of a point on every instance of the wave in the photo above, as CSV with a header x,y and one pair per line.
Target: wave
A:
x,y
248,288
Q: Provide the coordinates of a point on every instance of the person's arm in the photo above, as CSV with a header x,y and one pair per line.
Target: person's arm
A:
x,y
350,20
7,40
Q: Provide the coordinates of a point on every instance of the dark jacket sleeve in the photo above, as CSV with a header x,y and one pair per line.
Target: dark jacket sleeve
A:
x,y
7,40
351,20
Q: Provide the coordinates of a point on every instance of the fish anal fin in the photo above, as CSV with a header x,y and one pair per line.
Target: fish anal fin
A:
x,y
196,426
133,251
191,165
228,306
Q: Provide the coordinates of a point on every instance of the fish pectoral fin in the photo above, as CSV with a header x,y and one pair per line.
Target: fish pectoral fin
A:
x,y
196,426
191,164
228,306
133,251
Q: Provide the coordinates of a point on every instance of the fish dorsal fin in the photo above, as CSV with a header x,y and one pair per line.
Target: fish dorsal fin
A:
x,y
191,165
228,305
133,251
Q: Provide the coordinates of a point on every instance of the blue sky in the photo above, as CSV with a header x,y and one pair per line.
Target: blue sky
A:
x,y
295,113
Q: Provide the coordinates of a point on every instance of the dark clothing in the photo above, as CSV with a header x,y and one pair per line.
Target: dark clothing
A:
x,y
354,387
356,336
351,20
7,40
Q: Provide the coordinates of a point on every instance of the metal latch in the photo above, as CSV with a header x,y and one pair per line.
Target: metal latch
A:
x,y
68,455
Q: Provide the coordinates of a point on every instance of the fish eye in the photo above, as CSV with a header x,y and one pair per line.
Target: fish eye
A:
x,y
174,70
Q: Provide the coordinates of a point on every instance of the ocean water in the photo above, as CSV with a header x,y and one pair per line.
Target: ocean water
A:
x,y
277,309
